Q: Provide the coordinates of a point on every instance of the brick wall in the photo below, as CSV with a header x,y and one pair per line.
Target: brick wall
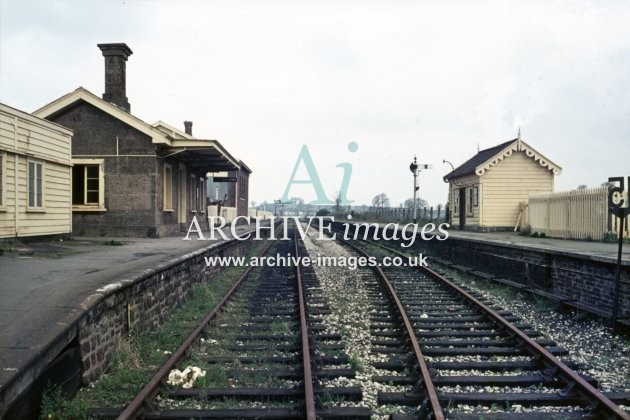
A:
x,y
93,329
149,300
589,281
129,168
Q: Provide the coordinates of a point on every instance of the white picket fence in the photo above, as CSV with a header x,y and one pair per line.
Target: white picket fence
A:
x,y
575,214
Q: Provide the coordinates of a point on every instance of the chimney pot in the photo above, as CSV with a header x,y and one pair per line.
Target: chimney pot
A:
x,y
188,127
115,73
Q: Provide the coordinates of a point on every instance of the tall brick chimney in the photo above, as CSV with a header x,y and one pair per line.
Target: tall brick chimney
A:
x,y
188,127
115,73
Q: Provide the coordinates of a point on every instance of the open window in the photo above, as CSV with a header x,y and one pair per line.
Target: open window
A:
x,y
88,186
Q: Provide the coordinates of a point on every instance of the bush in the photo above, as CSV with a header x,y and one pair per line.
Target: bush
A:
x,y
610,237
5,247
322,212
535,235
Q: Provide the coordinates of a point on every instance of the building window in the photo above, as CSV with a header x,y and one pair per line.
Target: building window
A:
x,y
192,196
168,187
456,202
201,201
88,184
475,196
2,180
35,184
469,204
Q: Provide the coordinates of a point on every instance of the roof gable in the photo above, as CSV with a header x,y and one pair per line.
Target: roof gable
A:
x,y
201,154
487,158
80,94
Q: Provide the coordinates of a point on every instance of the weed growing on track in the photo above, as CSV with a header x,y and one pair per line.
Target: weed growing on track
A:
x,y
279,327
137,358
53,402
355,363
542,304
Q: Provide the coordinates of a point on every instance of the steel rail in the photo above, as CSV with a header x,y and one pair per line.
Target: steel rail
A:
x,y
151,388
429,387
589,393
563,372
309,396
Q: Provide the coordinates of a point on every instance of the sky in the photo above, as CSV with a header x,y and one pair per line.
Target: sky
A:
x,y
436,79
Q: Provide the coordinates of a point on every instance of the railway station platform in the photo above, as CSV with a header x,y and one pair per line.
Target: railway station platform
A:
x,y
587,249
576,274
48,288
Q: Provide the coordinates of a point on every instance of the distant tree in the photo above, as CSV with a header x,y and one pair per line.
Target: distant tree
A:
x,y
582,187
380,200
421,203
338,202
322,212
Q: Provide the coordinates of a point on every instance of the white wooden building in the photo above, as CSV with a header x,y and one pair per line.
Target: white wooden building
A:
x,y
490,190
35,176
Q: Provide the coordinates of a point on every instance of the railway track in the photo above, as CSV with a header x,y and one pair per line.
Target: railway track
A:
x,y
467,354
270,350
262,352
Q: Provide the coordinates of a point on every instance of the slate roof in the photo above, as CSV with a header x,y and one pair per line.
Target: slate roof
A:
x,y
468,167
201,154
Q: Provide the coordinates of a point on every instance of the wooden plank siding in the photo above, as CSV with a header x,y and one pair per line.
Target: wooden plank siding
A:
x,y
507,186
7,228
35,137
25,138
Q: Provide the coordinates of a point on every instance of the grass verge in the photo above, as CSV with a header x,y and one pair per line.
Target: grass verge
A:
x,y
137,358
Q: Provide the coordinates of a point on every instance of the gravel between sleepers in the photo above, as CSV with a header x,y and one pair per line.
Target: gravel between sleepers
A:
x,y
604,355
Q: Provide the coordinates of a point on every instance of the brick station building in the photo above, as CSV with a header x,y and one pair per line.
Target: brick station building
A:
x,y
131,178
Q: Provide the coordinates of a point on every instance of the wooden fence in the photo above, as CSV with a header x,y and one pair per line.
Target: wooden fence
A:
x,y
575,214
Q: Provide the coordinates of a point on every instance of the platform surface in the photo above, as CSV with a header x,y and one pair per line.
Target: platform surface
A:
x,y
587,249
43,285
